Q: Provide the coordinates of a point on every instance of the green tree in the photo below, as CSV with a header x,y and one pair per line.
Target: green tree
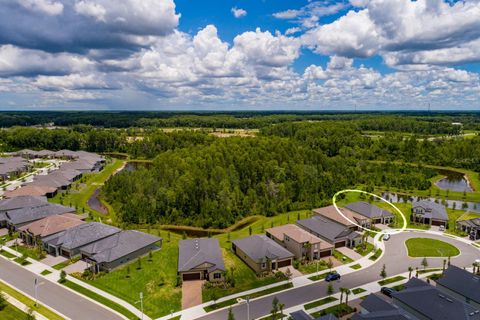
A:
x,y
63,276
383,273
410,270
29,315
329,289
231,316
424,263
347,293
3,301
275,308
250,230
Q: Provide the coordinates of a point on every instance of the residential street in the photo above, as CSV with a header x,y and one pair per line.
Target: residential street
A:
x,y
395,259
64,301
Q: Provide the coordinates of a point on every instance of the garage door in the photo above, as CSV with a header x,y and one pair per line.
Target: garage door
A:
x,y
284,263
324,253
340,244
191,276
377,221
437,223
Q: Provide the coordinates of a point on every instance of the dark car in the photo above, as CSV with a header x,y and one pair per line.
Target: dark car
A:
x,y
332,277
387,291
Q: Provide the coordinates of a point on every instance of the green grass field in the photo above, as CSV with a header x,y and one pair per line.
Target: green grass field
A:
x,y
425,247
12,313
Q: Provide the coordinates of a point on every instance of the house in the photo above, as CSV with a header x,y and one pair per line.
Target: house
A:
x,y
262,254
32,190
12,166
35,232
19,217
69,242
425,301
371,212
200,259
461,284
301,243
376,308
428,212
53,180
334,233
302,315
332,214
470,226
122,247
21,202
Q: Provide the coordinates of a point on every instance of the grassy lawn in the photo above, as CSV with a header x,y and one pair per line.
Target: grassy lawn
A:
x,y
364,251
30,252
338,310
11,313
29,303
99,299
425,247
65,263
319,277
341,257
312,267
230,302
7,254
78,196
376,255
356,266
391,280
358,290
319,303
45,272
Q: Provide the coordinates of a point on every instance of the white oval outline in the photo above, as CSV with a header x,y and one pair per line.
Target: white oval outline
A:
x,y
395,231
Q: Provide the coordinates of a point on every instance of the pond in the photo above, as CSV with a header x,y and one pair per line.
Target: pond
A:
x,y
135,165
459,205
96,204
454,181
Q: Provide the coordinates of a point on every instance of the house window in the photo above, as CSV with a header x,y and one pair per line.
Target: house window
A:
x,y
264,265
217,275
287,238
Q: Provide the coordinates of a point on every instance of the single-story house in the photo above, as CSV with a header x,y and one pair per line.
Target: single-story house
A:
x,y
330,231
53,179
27,154
262,254
371,212
20,217
376,308
428,212
32,190
425,301
471,226
21,202
69,242
301,243
66,154
461,284
33,233
12,166
45,154
200,259
82,165
331,213
115,250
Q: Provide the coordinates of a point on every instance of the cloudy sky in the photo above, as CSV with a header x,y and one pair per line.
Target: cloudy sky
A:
x,y
249,55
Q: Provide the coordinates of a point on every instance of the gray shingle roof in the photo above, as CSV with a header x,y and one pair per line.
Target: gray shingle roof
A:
x,y
433,210
374,303
118,245
51,180
300,315
82,235
368,210
21,202
433,304
261,247
462,282
326,228
327,317
194,252
28,214
383,315
475,222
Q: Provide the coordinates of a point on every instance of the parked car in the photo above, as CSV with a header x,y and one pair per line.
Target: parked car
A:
x,y
387,291
441,228
386,237
332,276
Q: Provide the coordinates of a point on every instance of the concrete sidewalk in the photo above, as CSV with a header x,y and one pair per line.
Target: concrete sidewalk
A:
x,y
14,302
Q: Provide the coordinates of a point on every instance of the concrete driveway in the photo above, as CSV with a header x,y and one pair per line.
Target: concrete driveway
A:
x,y
349,253
191,293
395,259
51,260
78,266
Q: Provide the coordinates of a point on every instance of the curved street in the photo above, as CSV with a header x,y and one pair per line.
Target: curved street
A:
x,y
395,259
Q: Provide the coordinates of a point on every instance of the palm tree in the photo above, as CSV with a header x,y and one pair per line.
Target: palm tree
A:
x,y
342,290
281,306
410,269
347,292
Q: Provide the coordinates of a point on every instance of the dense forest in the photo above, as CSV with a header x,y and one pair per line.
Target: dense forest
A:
x,y
203,180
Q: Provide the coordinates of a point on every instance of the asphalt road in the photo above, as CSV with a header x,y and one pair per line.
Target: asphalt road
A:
x,y
395,259
64,301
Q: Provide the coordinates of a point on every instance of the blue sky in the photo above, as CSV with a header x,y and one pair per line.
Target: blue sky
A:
x,y
239,55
